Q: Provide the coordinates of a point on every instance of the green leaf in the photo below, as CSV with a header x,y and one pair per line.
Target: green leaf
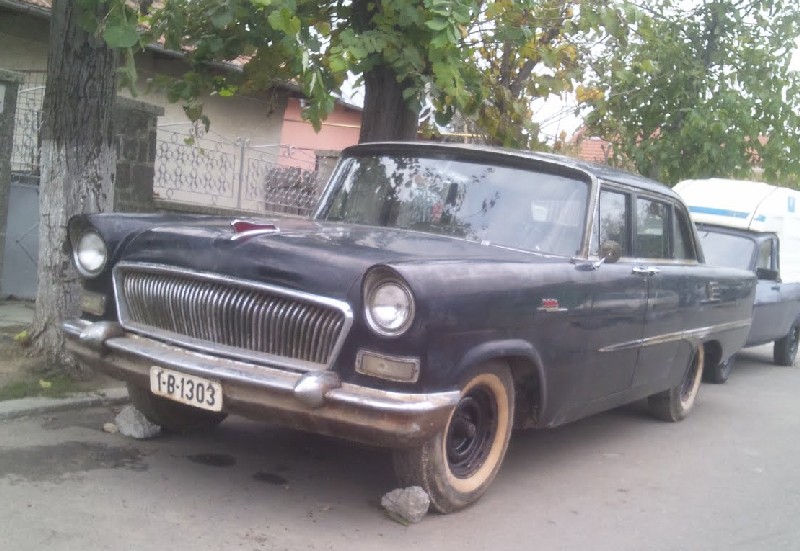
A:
x,y
222,19
121,35
437,24
337,64
285,21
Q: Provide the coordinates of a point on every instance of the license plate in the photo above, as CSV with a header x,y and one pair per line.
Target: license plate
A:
x,y
186,389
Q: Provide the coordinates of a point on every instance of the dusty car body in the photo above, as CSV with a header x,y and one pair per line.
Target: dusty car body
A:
x,y
441,296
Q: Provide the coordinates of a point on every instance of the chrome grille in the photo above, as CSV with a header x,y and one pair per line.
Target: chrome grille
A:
x,y
243,319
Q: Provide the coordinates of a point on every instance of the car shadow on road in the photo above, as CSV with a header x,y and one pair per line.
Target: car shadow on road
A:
x,y
305,465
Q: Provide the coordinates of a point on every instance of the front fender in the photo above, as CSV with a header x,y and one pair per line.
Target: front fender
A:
x,y
507,349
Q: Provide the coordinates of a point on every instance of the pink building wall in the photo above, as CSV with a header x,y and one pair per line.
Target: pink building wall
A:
x,y
299,141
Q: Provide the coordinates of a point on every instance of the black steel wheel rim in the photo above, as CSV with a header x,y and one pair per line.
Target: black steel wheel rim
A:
x,y
471,432
687,387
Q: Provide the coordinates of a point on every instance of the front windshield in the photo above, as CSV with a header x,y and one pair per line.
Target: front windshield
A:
x,y
491,204
724,249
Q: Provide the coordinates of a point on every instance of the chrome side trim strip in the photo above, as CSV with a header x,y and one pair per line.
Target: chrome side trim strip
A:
x,y
697,333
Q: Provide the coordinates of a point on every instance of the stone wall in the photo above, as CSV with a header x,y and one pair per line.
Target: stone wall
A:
x,y
326,162
135,126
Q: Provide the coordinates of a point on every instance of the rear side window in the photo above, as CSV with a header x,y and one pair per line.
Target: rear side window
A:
x,y
643,227
683,243
652,229
613,210
766,256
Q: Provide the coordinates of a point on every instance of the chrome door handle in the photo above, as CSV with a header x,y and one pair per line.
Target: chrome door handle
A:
x,y
647,270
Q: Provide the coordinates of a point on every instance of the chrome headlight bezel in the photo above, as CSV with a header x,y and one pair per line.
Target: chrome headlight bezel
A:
x,y
382,286
90,242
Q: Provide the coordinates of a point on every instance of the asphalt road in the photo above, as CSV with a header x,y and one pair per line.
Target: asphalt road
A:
x,y
724,479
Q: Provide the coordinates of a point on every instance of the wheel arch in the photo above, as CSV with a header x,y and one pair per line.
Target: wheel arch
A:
x,y
525,363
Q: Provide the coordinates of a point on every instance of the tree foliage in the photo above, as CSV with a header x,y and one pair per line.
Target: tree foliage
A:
x,y
485,60
525,49
700,89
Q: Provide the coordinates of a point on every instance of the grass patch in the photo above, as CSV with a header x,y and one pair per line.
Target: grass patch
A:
x,y
56,386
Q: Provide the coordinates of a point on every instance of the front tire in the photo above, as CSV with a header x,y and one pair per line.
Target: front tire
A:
x,y
784,351
456,466
172,416
675,404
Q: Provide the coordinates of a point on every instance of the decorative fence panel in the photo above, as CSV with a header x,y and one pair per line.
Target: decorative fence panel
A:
x,y
209,170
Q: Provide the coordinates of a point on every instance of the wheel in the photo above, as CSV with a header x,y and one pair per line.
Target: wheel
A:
x,y
172,416
785,349
456,466
719,373
676,403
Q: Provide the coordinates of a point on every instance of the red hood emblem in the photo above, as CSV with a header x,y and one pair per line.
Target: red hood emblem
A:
x,y
549,303
249,228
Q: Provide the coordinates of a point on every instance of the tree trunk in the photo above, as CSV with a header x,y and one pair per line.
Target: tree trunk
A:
x,y
78,163
386,115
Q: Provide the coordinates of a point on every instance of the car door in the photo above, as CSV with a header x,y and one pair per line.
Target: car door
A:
x,y
771,316
619,299
668,261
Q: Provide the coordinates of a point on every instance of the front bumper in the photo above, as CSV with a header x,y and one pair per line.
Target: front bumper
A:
x,y
315,401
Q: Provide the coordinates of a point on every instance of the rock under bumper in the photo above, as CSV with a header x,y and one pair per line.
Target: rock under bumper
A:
x,y
315,401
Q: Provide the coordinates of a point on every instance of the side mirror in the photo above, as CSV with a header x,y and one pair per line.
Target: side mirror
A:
x,y
769,275
610,251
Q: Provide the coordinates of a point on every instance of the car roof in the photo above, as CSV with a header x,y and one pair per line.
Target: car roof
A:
x,y
487,153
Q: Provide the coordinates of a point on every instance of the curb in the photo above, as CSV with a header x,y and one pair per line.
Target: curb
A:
x,y
13,409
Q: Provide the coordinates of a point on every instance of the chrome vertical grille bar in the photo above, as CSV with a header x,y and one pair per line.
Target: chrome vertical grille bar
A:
x,y
237,318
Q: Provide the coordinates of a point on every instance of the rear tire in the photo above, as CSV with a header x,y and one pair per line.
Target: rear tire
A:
x,y
675,404
719,373
784,351
456,466
172,416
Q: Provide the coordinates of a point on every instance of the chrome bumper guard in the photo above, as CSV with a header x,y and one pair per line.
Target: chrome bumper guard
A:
x,y
316,401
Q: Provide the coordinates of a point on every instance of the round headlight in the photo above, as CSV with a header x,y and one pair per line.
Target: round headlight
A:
x,y
90,254
390,308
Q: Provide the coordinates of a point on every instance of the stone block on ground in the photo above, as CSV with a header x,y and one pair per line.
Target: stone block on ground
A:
x,y
406,505
132,422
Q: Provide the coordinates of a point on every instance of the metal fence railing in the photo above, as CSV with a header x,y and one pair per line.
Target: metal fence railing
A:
x,y
27,123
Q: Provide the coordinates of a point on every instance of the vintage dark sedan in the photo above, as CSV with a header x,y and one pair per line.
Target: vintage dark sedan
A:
x,y
441,296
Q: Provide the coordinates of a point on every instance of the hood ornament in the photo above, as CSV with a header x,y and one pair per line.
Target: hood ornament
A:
x,y
247,228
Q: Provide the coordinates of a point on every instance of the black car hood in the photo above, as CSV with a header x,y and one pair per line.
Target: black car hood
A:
x,y
321,257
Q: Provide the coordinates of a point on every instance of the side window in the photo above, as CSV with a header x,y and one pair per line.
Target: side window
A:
x,y
766,255
682,240
652,229
613,220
